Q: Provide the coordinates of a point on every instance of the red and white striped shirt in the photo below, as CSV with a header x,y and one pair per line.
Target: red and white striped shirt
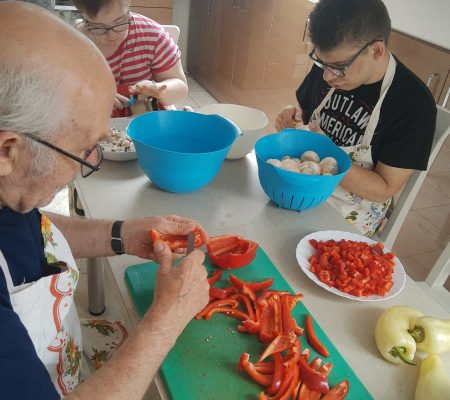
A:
x,y
148,49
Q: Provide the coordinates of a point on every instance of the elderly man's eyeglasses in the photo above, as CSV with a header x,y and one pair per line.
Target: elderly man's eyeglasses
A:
x,y
103,30
339,70
86,167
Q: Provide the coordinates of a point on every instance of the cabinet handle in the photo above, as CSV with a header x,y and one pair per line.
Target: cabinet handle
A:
x,y
243,6
444,103
237,3
430,79
210,7
305,30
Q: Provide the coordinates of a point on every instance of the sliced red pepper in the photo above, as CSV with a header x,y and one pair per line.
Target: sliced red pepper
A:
x,y
249,326
231,312
216,276
246,302
288,303
176,241
312,378
245,364
279,344
338,392
217,293
254,286
290,382
231,251
312,338
278,374
218,303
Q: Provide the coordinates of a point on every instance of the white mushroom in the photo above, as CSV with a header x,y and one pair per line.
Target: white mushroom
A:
x,y
286,158
310,156
290,165
310,168
329,165
274,162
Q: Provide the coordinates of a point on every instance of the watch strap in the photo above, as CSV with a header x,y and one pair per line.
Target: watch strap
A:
x,y
116,239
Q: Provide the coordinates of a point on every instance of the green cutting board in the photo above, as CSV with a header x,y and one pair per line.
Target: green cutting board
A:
x,y
203,363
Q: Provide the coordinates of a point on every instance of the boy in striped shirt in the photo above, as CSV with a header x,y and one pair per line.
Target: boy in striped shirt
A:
x,y
142,56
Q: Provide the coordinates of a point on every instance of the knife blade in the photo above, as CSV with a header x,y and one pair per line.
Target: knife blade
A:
x,y
190,242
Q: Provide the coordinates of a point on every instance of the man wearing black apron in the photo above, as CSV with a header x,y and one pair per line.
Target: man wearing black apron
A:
x,y
368,103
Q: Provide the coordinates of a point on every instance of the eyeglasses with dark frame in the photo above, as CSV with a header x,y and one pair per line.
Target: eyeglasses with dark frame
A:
x,y
340,70
86,167
121,27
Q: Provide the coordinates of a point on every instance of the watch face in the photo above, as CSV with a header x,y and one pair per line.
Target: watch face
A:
x,y
116,241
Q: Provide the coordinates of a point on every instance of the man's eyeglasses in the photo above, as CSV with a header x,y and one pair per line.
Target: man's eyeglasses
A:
x,y
86,167
103,30
339,70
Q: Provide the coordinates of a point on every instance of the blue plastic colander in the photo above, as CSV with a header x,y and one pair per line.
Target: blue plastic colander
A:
x,y
181,151
289,189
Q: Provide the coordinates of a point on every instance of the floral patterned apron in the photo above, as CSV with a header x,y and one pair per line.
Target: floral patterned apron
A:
x,y
366,215
47,310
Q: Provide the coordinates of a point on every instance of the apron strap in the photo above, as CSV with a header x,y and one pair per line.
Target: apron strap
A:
x,y
375,116
5,269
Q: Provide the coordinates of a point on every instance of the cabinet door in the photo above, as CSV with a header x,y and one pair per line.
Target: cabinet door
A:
x,y
428,62
252,44
160,15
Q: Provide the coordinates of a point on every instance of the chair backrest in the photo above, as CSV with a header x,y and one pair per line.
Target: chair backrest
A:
x,y
173,31
407,196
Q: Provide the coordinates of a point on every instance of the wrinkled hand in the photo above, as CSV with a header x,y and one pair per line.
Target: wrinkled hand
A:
x,y
181,291
135,233
148,88
119,100
289,117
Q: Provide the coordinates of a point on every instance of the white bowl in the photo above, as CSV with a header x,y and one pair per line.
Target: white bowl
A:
x,y
250,121
120,123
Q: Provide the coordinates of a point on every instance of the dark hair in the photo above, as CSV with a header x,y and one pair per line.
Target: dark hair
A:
x,y
334,22
91,7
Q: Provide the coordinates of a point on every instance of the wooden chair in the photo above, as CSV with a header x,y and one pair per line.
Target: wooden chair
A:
x,y
407,196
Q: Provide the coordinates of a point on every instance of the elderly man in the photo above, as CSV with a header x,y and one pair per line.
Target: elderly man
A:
x,y
367,102
50,80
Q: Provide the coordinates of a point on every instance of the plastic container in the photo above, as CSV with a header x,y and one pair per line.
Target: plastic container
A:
x,y
293,190
250,121
181,151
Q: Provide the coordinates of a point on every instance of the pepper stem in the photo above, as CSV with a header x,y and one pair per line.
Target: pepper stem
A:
x,y
418,333
400,353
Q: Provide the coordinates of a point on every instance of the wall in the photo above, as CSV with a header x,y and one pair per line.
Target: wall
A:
x,y
181,18
424,19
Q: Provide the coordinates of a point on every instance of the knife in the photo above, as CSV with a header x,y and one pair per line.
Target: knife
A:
x,y
190,242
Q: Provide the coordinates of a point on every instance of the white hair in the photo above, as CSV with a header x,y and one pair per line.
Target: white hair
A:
x,y
32,102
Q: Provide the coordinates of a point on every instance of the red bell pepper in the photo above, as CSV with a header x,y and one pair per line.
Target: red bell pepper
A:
x,y
215,304
246,302
313,379
279,344
249,367
217,294
312,338
176,241
254,286
231,251
338,392
216,276
231,312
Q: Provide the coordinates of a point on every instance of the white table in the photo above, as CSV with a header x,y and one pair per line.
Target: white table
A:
x,y
234,203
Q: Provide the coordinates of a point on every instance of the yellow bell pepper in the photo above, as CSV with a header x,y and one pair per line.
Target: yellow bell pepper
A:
x,y
391,334
433,382
432,335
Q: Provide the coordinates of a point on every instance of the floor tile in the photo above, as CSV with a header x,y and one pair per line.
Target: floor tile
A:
x,y
440,180
188,101
438,216
429,196
203,98
417,236
194,86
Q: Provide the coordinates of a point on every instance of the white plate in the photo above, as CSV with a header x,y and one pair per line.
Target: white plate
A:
x,y
119,123
305,250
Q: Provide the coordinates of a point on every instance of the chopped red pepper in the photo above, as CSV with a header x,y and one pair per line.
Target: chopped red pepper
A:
x,y
338,392
279,344
175,241
312,338
231,251
216,276
246,302
214,304
231,312
245,364
217,293
254,286
312,378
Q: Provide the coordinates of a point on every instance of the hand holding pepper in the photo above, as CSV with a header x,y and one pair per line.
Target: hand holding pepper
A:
x,y
180,291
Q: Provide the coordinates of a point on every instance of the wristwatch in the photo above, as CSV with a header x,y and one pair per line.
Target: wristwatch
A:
x,y
116,240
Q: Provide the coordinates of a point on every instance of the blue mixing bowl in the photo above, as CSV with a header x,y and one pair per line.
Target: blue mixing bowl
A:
x,y
290,189
181,151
